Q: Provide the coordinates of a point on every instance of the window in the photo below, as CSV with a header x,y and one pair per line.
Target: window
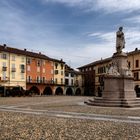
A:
x,y
61,81
28,68
4,56
129,64
13,58
72,74
28,60
22,76
38,63
13,65
101,69
4,75
67,81
22,66
52,81
72,82
43,79
56,72
56,65
66,74
13,75
61,72
56,80
61,66
29,79
38,69
22,59
136,76
4,64
137,63
38,79
51,71
43,62
43,70
4,68
13,68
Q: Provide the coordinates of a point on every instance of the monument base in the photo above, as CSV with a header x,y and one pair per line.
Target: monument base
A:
x,y
118,92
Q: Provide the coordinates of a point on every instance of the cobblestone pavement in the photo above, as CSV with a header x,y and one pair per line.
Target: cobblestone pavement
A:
x,y
65,118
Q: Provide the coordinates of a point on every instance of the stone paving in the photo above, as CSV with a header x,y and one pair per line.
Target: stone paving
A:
x,y
41,126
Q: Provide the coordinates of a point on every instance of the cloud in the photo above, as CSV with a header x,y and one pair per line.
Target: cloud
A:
x,y
108,6
134,19
22,31
118,5
106,37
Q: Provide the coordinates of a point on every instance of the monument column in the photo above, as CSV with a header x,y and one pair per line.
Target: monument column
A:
x,y
119,81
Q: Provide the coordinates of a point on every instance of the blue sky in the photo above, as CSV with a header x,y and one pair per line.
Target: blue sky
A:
x,y
79,31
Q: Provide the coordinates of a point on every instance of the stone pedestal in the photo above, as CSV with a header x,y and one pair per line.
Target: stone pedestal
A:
x,y
120,61
118,85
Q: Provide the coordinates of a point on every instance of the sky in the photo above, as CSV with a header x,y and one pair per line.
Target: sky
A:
x,y
78,31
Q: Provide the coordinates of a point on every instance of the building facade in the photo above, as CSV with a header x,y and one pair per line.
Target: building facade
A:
x,y
39,74
73,81
59,73
12,68
36,74
100,68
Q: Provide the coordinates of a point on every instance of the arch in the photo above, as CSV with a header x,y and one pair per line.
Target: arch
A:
x,y
16,91
78,91
137,89
69,91
59,91
34,90
47,91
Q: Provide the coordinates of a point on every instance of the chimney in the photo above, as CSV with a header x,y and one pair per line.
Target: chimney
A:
x,y
25,49
136,49
39,52
4,45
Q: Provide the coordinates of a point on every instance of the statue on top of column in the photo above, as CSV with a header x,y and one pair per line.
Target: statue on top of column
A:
x,y
120,40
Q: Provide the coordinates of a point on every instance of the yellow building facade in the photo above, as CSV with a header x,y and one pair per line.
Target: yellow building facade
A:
x,y
12,68
59,72
59,75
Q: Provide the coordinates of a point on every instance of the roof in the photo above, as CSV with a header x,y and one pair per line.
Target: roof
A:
x,y
27,53
136,51
22,52
97,62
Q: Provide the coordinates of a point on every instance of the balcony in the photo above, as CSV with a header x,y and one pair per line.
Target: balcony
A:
x,y
4,68
22,70
13,69
29,81
4,79
39,81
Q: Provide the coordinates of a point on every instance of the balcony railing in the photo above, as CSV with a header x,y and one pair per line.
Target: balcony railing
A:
x,y
22,70
13,69
4,68
4,79
40,81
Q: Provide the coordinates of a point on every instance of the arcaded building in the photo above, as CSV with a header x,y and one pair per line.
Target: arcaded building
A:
x,y
73,81
37,74
12,67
